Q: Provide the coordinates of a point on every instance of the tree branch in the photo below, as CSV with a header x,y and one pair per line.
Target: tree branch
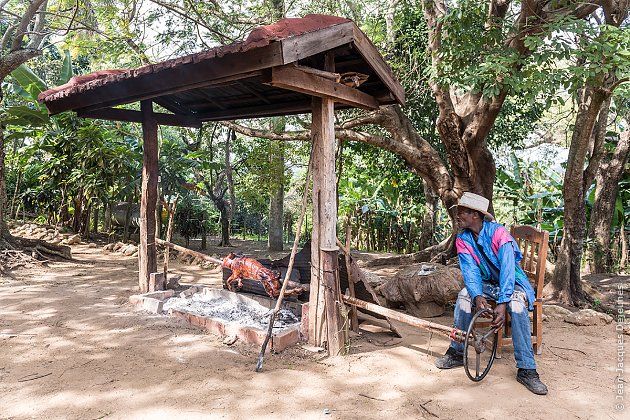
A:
x,y
27,17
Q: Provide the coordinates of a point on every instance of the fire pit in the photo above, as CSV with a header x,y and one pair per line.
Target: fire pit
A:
x,y
226,313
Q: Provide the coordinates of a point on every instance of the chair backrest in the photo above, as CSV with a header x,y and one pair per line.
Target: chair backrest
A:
x,y
533,244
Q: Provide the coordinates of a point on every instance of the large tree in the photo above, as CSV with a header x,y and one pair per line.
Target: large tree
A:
x,y
603,64
478,56
23,32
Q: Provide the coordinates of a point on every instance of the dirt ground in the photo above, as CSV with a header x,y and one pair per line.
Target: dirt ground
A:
x,y
72,347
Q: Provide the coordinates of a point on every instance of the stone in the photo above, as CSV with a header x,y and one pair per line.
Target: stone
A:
x,y
109,247
588,317
188,292
74,239
555,311
172,281
129,250
152,305
156,282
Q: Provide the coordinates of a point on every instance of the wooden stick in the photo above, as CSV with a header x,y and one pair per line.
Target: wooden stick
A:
x,y
451,332
188,251
33,376
272,317
354,321
171,209
356,271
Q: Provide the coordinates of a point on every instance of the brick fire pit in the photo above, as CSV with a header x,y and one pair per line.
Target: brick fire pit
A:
x,y
226,313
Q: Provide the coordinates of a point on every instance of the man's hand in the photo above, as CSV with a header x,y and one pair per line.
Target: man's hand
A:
x,y
499,316
481,303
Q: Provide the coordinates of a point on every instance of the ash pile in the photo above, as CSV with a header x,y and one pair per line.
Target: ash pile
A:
x,y
251,315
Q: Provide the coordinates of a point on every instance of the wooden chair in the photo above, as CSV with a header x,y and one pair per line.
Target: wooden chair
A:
x,y
533,244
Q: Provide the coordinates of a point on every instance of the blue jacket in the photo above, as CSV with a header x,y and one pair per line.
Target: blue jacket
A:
x,y
501,249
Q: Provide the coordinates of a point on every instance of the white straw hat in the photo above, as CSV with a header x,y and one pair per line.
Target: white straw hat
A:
x,y
475,202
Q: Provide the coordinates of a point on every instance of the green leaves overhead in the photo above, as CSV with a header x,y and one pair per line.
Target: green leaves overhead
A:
x,y
29,81
66,69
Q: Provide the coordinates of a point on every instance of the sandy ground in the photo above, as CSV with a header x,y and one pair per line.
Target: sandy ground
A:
x,y
72,347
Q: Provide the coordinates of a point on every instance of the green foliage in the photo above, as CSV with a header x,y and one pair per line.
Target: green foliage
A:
x,y
530,193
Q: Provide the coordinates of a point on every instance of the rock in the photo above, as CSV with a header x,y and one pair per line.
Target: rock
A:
x,y
129,250
118,246
555,312
188,292
588,317
74,239
625,329
172,281
424,289
152,305
91,245
55,241
109,247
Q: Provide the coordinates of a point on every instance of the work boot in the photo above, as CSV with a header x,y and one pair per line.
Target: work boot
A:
x,y
531,380
450,360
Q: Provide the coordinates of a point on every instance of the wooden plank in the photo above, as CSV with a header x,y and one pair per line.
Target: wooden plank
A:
x,y
313,43
188,251
335,331
324,319
147,258
450,332
354,321
292,78
115,114
234,66
170,104
374,59
258,111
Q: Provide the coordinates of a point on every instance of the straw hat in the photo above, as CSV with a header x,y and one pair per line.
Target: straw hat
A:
x,y
475,202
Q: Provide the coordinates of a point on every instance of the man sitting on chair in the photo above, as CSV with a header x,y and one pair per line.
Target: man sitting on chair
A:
x,y
488,258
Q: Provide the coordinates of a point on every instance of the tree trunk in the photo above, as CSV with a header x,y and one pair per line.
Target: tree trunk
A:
x,y
95,217
128,217
107,206
225,224
566,284
4,231
609,174
428,222
276,199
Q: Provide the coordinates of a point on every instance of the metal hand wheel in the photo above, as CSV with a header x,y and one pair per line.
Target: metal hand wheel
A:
x,y
480,345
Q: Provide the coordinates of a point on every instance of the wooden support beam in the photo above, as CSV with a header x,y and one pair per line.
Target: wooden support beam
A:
x,y
369,52
297,79
116,114
147,258
324,312
187,251
450,332
258,111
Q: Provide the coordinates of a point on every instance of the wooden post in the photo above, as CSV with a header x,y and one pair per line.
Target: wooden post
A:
x,y
147,259
325,299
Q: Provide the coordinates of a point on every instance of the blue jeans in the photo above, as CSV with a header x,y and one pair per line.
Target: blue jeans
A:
x,y
518,310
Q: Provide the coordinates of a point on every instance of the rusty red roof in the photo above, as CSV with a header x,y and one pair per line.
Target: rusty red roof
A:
x,y
231,81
